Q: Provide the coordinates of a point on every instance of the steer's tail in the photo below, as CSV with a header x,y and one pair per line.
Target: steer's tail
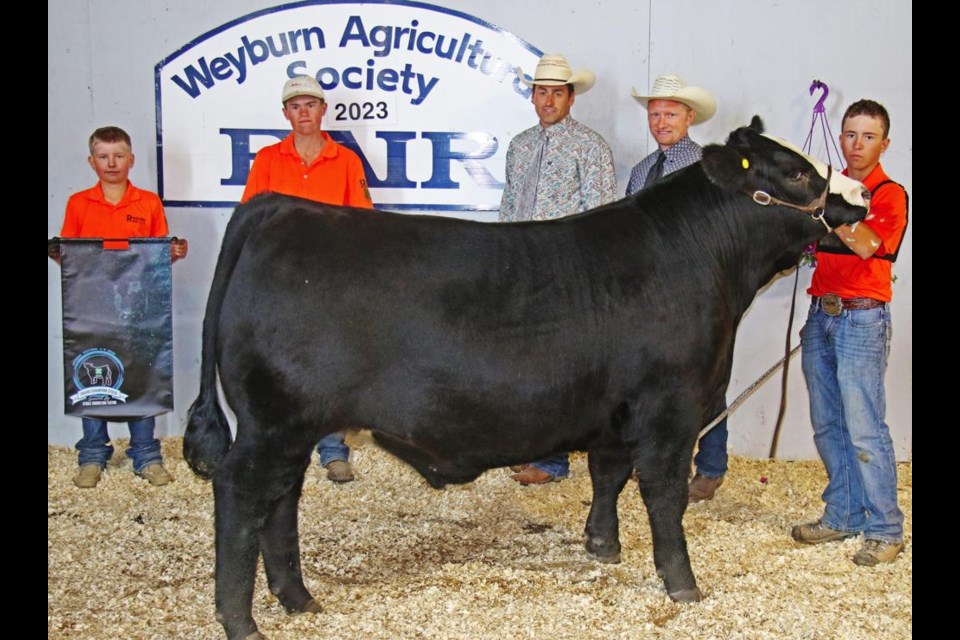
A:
x,y
208,438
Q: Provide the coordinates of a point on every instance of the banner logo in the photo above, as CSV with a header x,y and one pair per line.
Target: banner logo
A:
x,y
94,372
427,96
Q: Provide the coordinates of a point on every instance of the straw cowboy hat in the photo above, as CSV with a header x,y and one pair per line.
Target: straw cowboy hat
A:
x,y
553,71
674,88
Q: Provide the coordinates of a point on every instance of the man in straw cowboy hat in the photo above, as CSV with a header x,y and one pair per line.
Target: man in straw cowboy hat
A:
x,y
555,168
672,107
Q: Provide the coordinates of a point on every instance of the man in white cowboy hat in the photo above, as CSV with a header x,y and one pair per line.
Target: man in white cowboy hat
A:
x,y
672,107
555,168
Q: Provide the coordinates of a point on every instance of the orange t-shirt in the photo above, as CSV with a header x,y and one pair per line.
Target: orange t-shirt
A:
x,y
139,214
850,276
335,176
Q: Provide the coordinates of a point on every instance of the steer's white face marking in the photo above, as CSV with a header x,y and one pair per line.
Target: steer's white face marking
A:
x,y
848,188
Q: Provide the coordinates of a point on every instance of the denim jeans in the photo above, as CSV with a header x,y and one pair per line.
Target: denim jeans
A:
x,y
844,363
557,465
711,458
332,447
95,448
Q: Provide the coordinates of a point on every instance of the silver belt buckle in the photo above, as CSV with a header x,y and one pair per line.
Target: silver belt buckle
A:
x,y
831,304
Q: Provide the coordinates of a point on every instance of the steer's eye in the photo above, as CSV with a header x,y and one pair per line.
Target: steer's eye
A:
x,y
796,176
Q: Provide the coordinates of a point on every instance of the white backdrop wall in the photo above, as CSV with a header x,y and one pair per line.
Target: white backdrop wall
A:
x,y
757,57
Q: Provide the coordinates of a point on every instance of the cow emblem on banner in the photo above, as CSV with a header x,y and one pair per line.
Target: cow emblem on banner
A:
x,y
94,372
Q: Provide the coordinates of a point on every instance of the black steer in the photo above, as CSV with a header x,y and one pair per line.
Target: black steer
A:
x,y
465,346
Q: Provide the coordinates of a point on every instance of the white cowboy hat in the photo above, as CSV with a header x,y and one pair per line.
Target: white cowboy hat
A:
x,y
673,88
553,71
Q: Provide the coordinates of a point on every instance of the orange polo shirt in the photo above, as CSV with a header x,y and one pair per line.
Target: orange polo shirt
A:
x,y
335,176
849,276
139,214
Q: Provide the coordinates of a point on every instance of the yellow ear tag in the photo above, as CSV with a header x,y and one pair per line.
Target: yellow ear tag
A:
x,y
745,163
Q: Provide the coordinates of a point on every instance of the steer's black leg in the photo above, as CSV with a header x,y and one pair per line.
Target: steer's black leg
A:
x,y
280,545
256,492
609,471
662,469
239,515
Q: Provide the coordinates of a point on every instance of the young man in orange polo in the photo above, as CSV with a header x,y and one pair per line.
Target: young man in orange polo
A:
x,y
308,163
846,341
114,208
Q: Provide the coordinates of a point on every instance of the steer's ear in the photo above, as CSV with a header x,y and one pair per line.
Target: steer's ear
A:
x,y
725,167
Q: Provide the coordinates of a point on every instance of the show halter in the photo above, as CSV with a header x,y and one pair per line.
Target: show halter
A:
x,y
816,209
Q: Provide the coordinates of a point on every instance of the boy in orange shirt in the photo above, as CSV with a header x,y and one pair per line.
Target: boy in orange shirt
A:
x,y
846,342
308,163
114,208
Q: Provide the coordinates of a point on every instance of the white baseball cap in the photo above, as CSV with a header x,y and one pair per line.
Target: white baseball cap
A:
x,y
301,86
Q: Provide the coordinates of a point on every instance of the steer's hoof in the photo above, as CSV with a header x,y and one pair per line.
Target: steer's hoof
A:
x,y
256,635
687,595
601,550
312,606
611,559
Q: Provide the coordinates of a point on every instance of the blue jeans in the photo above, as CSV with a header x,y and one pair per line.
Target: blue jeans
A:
x,y
844,364
332,447
557,465
711,458
95,448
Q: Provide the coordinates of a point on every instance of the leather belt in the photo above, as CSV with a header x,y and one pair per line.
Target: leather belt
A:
x,y
832,304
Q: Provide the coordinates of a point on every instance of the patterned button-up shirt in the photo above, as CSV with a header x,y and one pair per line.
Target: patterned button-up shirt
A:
x,y
576,172
680,155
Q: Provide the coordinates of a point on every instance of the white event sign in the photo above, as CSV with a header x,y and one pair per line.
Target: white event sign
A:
x,y
427,96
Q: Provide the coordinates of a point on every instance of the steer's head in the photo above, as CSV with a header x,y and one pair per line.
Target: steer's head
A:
x,y
774,172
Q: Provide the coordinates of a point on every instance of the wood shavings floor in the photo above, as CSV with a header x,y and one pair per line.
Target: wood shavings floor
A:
x,y
390,558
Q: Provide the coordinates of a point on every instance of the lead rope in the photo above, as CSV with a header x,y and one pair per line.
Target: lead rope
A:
x,y
786,369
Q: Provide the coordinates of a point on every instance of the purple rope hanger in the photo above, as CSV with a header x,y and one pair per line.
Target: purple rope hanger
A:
x,y
819,113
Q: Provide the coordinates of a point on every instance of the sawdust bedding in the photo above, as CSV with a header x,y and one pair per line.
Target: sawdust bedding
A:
x,y
389,557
